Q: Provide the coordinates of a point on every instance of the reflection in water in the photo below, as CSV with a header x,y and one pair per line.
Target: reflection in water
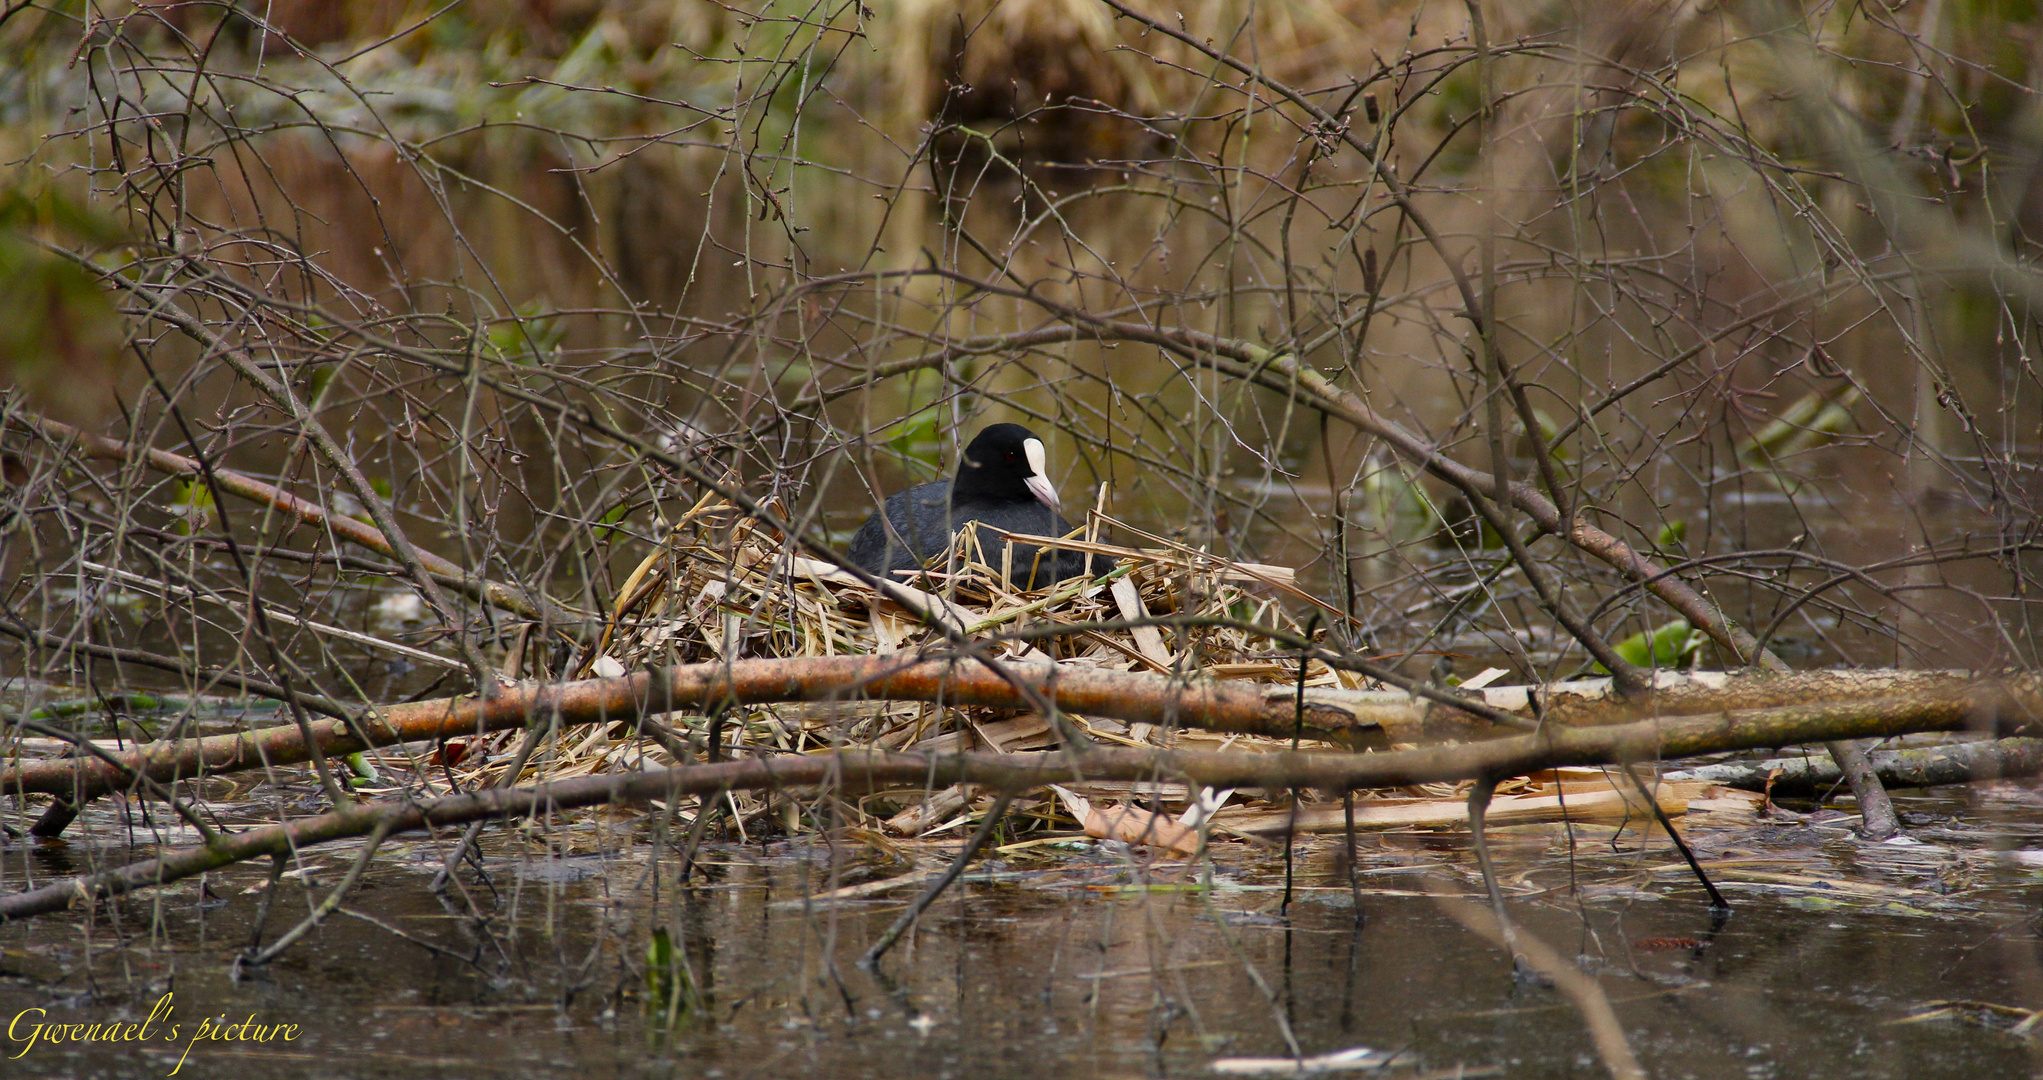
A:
x,y
1075,962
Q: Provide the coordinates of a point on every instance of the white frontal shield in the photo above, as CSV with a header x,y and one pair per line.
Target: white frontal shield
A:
x,y
1039,478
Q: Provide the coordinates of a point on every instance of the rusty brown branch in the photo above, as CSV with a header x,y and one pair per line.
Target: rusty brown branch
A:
x,y
2008,707
1214,706
1218,706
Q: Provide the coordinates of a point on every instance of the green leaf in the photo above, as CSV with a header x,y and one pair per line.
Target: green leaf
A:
x,y
1816,418
611,517
1665,646
1528,448
192,502
315,383
1396,507
363,769
532,337
918,439
660,951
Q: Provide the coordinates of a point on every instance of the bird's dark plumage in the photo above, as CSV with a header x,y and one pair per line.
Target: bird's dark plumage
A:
x,y
1000,483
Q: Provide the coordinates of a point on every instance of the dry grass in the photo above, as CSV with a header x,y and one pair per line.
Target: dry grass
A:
x,y
724,587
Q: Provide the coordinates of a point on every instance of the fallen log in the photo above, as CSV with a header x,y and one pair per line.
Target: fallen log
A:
x,y
1577,802
2011,709
1580,702
1245,708
1360,719
1928,766
1689,693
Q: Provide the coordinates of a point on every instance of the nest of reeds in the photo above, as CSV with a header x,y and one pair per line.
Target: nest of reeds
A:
x,y
724,586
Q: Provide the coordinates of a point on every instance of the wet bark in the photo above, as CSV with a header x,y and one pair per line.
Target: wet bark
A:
x,y
1361,719
1218,706
1806,777
2014,707
1876,810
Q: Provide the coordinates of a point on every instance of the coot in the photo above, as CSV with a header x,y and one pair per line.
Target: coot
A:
x,y
1003,482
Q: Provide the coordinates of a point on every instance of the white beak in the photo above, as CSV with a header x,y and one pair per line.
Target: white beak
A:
x,y
1039,480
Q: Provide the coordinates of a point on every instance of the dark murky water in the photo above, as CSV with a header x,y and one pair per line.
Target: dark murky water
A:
x,y
1066,960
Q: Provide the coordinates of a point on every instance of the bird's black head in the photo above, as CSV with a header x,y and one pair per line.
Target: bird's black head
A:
x,y
1005,463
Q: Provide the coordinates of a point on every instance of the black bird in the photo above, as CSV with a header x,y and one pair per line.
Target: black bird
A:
x,y
1002,482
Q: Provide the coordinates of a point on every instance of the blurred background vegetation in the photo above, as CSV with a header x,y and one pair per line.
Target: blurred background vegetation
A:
x,y
1764,270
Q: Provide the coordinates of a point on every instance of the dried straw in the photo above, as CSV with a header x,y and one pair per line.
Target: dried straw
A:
x,y
722,586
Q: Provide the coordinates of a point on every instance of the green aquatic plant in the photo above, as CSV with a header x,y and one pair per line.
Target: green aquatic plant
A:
x,y
1396,507
192,503
1669,645
1815,419
670,992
